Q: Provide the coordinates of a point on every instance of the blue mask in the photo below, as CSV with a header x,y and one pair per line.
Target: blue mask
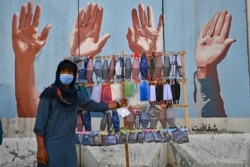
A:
x,y
66,79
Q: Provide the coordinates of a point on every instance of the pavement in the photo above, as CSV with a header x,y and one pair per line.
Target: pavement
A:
x,y
212,150
202,150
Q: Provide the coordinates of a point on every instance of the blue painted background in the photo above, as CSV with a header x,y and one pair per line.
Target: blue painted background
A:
x,y
183,21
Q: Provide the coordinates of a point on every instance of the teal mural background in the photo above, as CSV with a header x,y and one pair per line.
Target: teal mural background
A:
x,y
183,21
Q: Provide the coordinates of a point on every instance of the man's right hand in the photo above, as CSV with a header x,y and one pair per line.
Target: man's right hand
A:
x,y
42,156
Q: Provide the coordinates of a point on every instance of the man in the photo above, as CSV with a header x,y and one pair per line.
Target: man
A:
x,y
56,117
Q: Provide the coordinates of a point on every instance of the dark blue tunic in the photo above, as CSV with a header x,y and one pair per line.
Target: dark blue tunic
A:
x,y
57,123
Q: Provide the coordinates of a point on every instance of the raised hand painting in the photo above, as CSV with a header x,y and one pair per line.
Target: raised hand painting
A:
x,y
27,43
143,37
212,47
85,40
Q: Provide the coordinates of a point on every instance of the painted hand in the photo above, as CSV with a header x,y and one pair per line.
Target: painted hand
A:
x,y
143,37
213,42
85,39
25,37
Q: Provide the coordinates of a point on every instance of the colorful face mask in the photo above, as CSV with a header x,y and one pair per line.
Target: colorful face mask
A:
x,y
66,79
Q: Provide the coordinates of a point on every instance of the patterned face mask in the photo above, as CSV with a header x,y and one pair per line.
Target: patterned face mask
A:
x,y
82,73
106,95
129,89
116,91
98,69
105,71
152,93
90,71
144,119
144,91
152,65
166,66
128,68
174,66
159,92
135,71
144,66
116,120
111,70
106,122
119,68
158,67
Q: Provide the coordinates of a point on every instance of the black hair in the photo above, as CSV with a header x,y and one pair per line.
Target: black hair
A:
x,y
67,64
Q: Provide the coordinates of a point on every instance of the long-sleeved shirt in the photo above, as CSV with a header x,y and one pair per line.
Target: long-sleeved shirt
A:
x,y
56,123
207,98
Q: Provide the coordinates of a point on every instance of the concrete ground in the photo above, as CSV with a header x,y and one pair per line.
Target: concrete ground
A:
x,y
212,150
203,150
229,147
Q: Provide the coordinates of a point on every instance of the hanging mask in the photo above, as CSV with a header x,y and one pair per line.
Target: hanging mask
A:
x,y
66,79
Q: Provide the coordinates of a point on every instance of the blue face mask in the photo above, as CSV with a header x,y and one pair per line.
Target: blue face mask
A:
x,y
66,79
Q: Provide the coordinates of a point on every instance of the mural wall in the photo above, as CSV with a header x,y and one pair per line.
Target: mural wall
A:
x,y
35,36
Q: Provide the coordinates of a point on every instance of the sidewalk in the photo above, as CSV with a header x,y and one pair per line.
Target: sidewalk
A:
x,y
203,150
